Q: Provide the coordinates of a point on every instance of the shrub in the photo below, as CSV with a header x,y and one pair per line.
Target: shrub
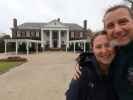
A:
x,y
14,58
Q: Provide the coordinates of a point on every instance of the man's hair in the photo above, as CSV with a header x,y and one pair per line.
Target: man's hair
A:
x,y
118,7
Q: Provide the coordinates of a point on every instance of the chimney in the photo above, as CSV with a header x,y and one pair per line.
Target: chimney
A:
x,y
58,19
14,22
85,24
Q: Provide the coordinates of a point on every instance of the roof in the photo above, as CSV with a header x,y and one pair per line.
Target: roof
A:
x,y
31,25
72,26
2,35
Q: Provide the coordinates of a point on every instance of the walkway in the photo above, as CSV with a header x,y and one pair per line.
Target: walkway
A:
x,y
45,77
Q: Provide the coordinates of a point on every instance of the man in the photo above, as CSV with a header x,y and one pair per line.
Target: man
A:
x,y
118,23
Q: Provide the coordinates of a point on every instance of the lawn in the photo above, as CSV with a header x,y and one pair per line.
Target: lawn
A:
x,y
7,65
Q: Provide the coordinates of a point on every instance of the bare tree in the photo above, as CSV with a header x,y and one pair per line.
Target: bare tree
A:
x,y
131,2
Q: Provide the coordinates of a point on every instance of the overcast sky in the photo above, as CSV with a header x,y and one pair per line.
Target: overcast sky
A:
x,y
73,11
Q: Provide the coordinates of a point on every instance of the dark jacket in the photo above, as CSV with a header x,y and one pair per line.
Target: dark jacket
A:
x,y
92,85
121,72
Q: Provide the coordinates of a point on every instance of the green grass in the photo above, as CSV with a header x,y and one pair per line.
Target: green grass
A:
x,y
7,65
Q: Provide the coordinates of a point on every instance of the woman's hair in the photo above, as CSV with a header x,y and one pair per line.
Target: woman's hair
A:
x,y
96,34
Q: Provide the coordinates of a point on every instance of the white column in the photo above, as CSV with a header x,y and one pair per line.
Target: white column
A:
x,y
50,39
74,46
84,46
16,47
27,47
37,47
44,45
42,38
59,41
68,37
5,46
67,43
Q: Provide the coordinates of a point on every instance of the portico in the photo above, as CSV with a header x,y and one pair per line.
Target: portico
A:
x,y
55,34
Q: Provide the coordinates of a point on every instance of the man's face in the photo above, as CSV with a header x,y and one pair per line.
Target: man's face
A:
x,y
119,26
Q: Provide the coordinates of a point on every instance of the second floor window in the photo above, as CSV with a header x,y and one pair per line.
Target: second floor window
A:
x,y
18,34
72,34
37,34
28,34
81,34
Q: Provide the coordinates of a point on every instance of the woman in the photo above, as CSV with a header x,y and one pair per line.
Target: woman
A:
x,y
94,82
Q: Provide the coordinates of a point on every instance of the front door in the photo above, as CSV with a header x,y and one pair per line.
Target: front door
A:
x,y
55,39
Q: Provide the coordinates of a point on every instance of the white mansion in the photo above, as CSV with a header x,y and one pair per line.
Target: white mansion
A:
x,y
53,34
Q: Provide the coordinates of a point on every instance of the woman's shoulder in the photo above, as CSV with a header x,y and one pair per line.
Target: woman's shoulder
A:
x,y
87,64
85,56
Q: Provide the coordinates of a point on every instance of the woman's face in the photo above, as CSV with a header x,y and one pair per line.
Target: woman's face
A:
x,y
102,49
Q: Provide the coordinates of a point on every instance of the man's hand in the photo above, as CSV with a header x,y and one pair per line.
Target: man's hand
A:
x,y
77,72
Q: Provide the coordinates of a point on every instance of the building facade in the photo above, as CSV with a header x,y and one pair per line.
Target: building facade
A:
x,y
53,34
